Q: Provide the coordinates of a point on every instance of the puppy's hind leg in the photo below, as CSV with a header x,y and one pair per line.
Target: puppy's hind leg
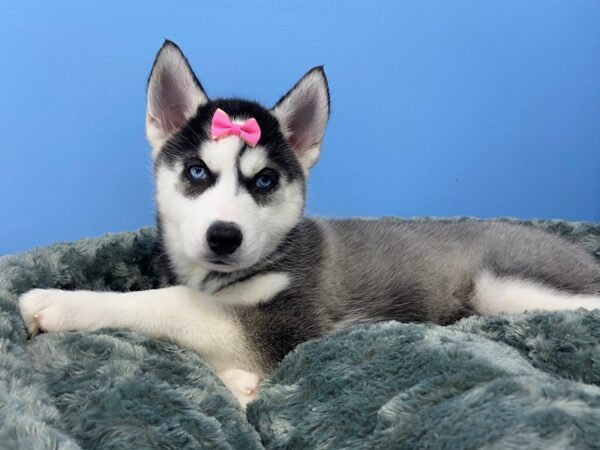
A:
x,y
494,295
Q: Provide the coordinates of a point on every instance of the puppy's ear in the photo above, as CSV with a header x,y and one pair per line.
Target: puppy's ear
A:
x,y
303,113
174,95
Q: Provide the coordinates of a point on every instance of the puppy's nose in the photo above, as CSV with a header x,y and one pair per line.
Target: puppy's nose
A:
x,y
223,237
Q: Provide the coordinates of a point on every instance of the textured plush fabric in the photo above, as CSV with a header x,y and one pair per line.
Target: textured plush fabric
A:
x,y
527,380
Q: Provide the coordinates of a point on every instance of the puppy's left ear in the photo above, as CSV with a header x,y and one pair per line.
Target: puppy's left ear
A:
x,y
303,113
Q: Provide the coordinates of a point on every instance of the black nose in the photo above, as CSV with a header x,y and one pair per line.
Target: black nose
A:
x,y
224,237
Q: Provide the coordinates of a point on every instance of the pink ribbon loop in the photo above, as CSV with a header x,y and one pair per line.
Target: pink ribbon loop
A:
x,y
222,126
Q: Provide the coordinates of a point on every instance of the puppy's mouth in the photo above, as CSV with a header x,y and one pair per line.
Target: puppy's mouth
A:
x,y
218,261
227,263
220,264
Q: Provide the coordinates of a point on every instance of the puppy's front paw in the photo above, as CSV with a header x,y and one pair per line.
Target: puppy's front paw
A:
x,y
242,384
44,310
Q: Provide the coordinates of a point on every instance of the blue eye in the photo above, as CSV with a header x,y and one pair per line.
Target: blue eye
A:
x,y
198,173
265,182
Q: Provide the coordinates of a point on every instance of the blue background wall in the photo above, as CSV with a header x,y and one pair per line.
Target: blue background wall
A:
x,y
479,108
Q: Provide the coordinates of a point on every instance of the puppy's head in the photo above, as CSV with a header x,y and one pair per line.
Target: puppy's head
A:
x,y
224,204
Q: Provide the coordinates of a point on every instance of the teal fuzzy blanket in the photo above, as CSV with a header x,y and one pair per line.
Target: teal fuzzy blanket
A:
x,y
530,380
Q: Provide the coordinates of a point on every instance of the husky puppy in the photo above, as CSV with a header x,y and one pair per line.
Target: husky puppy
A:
x,y
249,277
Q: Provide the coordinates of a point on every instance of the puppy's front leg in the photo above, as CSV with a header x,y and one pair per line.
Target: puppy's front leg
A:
x,y
179,314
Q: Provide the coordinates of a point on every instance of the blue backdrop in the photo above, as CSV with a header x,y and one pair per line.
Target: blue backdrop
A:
x,y
438,108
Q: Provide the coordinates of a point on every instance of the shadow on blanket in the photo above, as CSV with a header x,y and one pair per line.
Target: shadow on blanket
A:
x,y
528,380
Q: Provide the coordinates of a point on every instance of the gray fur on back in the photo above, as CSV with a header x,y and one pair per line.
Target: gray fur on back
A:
x,y
424,270
360,270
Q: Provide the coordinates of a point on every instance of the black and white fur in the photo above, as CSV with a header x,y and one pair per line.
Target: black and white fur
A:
x,y
292,278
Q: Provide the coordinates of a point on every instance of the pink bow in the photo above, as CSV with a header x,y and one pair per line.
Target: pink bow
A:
x,y
222,126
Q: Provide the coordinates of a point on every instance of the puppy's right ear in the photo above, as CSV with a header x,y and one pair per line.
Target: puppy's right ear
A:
x,y
303,113
174,95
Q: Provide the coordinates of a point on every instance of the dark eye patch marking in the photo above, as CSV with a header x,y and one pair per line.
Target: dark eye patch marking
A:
x,y
192,187
183,147
265,181
261,196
